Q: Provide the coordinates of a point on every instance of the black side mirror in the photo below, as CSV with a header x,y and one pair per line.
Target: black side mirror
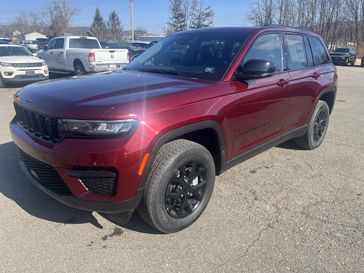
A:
x,y
45,47
134,57
255,69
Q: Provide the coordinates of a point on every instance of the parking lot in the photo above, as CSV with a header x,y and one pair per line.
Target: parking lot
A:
x,y
285,210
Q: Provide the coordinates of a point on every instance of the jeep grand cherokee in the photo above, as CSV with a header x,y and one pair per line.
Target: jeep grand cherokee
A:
x,y
152,137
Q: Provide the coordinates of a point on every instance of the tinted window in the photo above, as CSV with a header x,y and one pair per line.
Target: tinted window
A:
x,y
267,47
84,43
318,51
344,50
204,55
295,51
59,44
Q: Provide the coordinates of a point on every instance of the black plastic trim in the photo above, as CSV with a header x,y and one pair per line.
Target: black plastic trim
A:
x,y
71,201
266,146
171,135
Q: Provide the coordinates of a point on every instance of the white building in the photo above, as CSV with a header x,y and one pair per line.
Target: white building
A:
x,y
33,36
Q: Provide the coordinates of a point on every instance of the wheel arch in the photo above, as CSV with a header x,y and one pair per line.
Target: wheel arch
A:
x,y
328,95
196,132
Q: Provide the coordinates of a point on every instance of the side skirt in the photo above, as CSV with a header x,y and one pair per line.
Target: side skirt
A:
x,y
263,147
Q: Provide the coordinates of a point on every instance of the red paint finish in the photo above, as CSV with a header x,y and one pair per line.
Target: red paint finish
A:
x,y
248,114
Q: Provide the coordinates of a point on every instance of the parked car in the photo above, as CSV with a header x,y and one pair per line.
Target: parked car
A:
x,y
139,44
5,40
18,65
344,55
152,137
32,46
133,51
42,43
82,55
362,61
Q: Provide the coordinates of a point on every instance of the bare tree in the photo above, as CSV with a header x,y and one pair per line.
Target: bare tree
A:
x,y
337,21
57,16
200,16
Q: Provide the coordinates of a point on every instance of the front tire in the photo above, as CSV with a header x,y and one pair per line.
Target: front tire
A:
x,y
2,85
317,127
179,186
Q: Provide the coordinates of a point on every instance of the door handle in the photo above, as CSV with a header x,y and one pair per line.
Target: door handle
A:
x,y
316,75
282,82
51,52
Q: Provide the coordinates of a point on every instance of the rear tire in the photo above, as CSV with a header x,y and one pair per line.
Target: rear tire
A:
x,y
79,69
2,85
179,186
317,127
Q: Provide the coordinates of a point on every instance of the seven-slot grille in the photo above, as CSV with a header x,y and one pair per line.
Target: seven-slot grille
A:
x,y
27,64
45,175
37,124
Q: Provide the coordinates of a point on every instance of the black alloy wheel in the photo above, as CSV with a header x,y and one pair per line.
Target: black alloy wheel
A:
x,y
186,189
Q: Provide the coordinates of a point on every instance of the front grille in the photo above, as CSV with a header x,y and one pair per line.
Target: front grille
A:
x,y
37,124
27,64
104,185
45,175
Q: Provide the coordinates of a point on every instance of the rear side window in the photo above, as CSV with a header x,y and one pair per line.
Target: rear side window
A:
x,y
84,43
318,51
267,47
295,51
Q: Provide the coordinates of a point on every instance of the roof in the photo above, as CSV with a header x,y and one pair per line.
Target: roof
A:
x,y
248,30
7,45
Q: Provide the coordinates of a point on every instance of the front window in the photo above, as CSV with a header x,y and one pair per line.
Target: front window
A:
x,y
202,55
13,51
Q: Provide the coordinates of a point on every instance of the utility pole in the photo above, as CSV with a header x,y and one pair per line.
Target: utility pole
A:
x,y
132,19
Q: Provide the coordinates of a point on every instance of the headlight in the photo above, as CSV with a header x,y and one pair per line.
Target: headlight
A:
x,y
97,127
5,64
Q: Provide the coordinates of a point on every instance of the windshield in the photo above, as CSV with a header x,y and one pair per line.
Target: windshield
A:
x,y
84,43
203,55
13,51
342,49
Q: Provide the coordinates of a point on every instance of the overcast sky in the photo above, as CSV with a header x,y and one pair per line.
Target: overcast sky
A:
x,y
149,14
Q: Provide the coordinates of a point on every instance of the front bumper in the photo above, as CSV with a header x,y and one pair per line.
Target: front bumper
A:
x,y
69,154
13,75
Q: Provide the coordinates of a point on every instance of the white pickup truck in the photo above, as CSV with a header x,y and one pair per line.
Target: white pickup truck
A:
x,y
82,55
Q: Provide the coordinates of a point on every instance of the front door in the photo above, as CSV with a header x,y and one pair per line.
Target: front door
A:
x,y
260,107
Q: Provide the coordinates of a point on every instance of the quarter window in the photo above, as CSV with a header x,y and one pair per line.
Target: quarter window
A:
x,y
318,51
267,47
295,52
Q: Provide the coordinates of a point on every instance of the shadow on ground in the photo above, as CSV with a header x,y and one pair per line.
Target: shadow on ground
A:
x,y
15,186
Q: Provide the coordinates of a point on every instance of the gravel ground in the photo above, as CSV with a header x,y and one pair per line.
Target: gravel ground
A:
x,y
285,210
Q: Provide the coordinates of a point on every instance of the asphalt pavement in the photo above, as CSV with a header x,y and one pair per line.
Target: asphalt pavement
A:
x,y
286,210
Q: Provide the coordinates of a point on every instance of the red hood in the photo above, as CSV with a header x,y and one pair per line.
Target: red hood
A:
x,y
93,96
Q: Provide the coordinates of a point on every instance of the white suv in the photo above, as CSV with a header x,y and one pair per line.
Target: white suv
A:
x,y
18,65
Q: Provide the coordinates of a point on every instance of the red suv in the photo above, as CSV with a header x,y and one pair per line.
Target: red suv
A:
x,y
153,136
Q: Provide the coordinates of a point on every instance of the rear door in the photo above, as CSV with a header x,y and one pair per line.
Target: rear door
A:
x,y
307,61
261,106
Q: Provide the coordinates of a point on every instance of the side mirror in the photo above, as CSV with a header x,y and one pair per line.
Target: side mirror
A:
x,y
134,57
255,69
45,47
